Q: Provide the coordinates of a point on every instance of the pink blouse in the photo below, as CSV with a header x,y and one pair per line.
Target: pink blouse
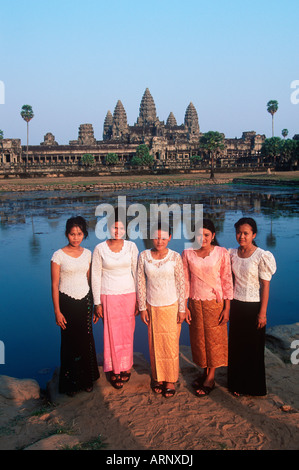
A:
x,y
210,277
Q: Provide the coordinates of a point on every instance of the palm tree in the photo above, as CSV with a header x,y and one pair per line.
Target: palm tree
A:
x,y
284,133
212,142
272,107
27,114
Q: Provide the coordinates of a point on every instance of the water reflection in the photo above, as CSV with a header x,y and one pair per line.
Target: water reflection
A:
x,y
32,228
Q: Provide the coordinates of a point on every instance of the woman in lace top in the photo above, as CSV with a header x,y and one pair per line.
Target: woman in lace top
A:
x,y
161,294
114,266
209,288
70,274
253,269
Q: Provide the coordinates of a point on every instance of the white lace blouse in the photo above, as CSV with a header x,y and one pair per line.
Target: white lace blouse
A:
x,y
113,273
73,273
248,271
160,282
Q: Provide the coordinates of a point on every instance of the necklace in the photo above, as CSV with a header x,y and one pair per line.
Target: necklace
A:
x,y
245,253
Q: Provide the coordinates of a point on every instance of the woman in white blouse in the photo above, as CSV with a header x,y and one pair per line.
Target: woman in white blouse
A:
x,y
114,266
70,276
161,297
252,269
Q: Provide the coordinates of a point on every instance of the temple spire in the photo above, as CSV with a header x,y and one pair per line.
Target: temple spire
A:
x,y
147,110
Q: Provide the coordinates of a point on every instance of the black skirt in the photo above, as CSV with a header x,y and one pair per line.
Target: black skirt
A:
x,y
78,363
246,350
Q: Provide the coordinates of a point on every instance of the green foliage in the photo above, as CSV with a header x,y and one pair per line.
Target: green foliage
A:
x,y
111,159
212,142
284,133
195,159
1,135
284,152
142,153
27,112
272,106
136,161
271,147
87,159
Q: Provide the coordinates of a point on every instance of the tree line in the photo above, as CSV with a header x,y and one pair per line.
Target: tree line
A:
x,y
282,153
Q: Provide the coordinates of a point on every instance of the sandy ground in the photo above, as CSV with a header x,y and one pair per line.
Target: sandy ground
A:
x,y
137,419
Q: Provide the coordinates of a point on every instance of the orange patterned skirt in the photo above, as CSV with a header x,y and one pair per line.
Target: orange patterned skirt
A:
x,y
208,339
163,337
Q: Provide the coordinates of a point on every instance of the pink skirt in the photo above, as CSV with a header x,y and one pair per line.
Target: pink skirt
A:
x,y
119,327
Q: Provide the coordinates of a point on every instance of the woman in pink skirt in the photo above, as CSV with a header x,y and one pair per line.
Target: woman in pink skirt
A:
x,y
114,266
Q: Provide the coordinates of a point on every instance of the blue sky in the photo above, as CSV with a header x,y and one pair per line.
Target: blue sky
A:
x,y
72,60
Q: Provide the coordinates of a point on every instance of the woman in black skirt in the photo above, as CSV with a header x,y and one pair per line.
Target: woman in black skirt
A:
x,y
252,271
72,300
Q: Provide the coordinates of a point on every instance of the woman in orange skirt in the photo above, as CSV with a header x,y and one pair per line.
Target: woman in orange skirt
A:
x,y
209,289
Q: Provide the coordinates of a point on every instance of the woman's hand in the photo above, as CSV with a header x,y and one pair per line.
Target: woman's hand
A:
x,y
60,320
261,320
187,313
136,309
181,317
98,312
188,316
224,316
144,316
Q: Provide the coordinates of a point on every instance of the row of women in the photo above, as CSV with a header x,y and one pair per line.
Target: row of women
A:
x,y
206,286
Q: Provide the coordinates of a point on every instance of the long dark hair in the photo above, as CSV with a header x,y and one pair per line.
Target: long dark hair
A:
x,y
249,221
76,221
119,215
208,225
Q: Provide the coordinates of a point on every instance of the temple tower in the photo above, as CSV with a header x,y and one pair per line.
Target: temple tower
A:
x,y
171,120
191,120
120,124
107,132
86,135
147,110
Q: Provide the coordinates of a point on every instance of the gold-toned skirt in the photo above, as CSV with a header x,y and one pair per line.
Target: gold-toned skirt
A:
x,y
163,337
208,339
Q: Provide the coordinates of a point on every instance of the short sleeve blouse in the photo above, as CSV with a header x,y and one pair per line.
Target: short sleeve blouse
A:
x,y
73,273
248,272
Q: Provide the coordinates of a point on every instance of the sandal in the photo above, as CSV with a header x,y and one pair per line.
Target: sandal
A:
x,y
125,376
169,391
157,387
206,389
116,381
198,382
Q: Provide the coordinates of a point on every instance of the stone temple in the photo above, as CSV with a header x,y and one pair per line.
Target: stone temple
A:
x,y
170,143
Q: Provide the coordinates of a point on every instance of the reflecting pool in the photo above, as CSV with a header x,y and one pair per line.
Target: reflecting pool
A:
x,y
32,227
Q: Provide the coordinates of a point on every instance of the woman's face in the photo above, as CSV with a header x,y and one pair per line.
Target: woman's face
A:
x,y
117,230
75,236
205,237
161,240
245,235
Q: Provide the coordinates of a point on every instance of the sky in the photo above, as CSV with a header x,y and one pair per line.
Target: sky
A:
x,y
72,61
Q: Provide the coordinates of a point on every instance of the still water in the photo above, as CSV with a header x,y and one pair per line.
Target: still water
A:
x,y
32,227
